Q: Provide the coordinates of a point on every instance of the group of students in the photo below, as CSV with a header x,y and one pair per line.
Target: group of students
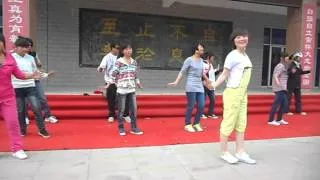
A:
x,y
121,81
237,74
121,78
285,82
22,90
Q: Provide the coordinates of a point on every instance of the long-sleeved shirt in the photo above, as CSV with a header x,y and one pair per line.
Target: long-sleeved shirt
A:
x,y
125,75
294,72
280,72
8,68
108,63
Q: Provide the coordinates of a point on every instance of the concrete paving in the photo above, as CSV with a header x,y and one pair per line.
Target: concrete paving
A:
x,y
281,159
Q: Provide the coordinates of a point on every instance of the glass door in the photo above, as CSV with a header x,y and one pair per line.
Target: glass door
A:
x,y
274,59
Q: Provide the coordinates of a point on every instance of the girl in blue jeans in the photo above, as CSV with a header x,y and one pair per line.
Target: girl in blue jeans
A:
x,y
192,69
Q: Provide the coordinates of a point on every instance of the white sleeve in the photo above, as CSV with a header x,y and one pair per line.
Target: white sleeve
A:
x,y
103,63
33,65
230,62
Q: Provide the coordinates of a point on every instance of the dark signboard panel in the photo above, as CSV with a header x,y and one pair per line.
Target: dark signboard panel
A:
x,y
159,42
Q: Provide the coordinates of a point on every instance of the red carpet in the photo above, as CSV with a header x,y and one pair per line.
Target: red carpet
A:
x,y
89,134
155,106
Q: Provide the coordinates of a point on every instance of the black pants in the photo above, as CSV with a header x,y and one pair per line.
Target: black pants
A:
x,y
112,101
297,96
211,95
29,93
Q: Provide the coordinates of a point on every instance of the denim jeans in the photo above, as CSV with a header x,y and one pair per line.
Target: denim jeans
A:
x,y
112,101
192,98
29,93
211,95
280,104
43,99
132,102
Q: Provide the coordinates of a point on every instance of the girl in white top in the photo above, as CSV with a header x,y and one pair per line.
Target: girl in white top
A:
x,y
237,72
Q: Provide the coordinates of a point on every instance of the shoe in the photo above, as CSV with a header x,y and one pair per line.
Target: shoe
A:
x,y
229,158
127,119
51,119
303,113
122,132
244,157
198,127
44,134
189,128
274,123
27,121
203,116
111,119
213,116
20,155
283,122
290,114
136,131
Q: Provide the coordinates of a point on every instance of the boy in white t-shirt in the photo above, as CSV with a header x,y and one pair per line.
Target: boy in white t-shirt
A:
x,y
211,74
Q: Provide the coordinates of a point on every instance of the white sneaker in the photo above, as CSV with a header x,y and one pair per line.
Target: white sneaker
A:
x,y
189,128
27,121
203,116
20,155
283,122
127,119
244,157
274,123
51,119
111,119
229,158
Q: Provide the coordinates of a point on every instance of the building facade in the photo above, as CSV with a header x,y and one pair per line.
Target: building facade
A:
x,y
68,41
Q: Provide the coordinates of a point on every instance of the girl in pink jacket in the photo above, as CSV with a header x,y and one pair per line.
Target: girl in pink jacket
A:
x,y
8,107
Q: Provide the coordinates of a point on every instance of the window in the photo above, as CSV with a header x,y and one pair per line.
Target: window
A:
x,y
274,44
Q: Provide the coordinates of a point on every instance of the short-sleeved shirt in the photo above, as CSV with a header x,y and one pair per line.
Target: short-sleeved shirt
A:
x,y
108,63
193,70
236,62
280,71
26,64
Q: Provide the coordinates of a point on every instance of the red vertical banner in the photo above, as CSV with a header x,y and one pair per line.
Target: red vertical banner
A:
x,y
15,20
309,44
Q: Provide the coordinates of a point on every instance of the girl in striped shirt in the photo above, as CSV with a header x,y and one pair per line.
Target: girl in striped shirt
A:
x,y
125,74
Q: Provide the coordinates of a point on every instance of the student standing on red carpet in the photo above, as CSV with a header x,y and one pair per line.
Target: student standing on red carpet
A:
x,y
48,117
8,107
211,74
125,73
193,70
279,87
25,89
106,65
295,71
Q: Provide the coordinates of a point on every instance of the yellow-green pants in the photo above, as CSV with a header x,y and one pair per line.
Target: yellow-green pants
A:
x,y
235,106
